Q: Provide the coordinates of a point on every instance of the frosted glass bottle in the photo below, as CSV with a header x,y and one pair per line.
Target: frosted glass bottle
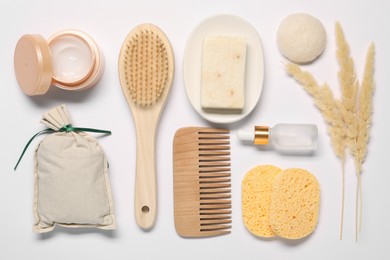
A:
x,y
285,138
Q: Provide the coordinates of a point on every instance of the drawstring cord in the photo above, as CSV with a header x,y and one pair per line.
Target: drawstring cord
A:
x,y
67,128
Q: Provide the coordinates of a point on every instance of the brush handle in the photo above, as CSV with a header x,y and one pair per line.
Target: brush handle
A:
x,y
145,182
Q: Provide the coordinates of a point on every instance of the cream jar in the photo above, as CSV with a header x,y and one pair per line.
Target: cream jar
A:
x,y
69,60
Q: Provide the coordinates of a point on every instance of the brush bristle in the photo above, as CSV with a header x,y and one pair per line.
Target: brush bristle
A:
x,y
146,66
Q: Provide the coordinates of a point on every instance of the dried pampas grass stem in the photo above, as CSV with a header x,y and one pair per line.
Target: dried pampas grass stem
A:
x,y
348,119
364,120
349,90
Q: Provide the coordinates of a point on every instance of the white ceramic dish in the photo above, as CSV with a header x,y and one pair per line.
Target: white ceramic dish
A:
x,y
224,25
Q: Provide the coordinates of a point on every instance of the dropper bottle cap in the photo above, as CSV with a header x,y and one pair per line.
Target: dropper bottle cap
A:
x,y
259,136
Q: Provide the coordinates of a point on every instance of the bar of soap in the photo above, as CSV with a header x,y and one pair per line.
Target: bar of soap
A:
x,y
223,72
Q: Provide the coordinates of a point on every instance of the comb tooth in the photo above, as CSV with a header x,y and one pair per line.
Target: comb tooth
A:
x,y
215,201
215,212
213,207
215,196
215,221
215,227
213,180
214,175
213,153
213,158
208,164
215,218
213,169
213,136
225,199
203,141
214,185
213,147
215,193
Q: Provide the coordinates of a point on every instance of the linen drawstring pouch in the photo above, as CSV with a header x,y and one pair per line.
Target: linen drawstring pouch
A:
x,y
72,186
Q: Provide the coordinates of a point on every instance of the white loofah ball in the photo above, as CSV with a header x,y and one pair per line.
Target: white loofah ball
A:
x,y
301,38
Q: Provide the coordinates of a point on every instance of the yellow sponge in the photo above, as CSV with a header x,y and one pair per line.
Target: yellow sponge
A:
x,y
256,195
295,201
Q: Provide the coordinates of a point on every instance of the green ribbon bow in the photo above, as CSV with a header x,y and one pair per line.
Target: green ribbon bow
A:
x,y
67,128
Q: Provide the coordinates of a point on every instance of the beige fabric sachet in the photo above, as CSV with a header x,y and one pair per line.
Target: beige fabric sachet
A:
x,y
72,186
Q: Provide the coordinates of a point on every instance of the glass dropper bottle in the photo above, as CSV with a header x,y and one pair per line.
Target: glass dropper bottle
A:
x,y
285,138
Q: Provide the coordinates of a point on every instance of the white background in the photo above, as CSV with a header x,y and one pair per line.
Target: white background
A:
x,y
105,107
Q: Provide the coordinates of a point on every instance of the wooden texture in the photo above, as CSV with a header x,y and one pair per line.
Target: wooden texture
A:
x,y
146,69
201,176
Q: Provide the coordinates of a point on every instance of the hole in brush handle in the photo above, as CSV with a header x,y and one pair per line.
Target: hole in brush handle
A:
x,y
145,209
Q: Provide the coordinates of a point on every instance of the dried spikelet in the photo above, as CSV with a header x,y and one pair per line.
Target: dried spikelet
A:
x,y
349,87
325,102
365,108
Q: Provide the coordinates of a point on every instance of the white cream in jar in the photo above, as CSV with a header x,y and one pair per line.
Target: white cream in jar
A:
x,y
72,58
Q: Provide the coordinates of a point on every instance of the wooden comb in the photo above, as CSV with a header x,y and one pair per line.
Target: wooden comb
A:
x,y
201,178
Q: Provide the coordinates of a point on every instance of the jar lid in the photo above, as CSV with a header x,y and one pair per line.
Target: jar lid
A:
x,y
33,65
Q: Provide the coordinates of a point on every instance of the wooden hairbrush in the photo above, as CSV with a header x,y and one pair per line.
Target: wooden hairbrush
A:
x,y
146,68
